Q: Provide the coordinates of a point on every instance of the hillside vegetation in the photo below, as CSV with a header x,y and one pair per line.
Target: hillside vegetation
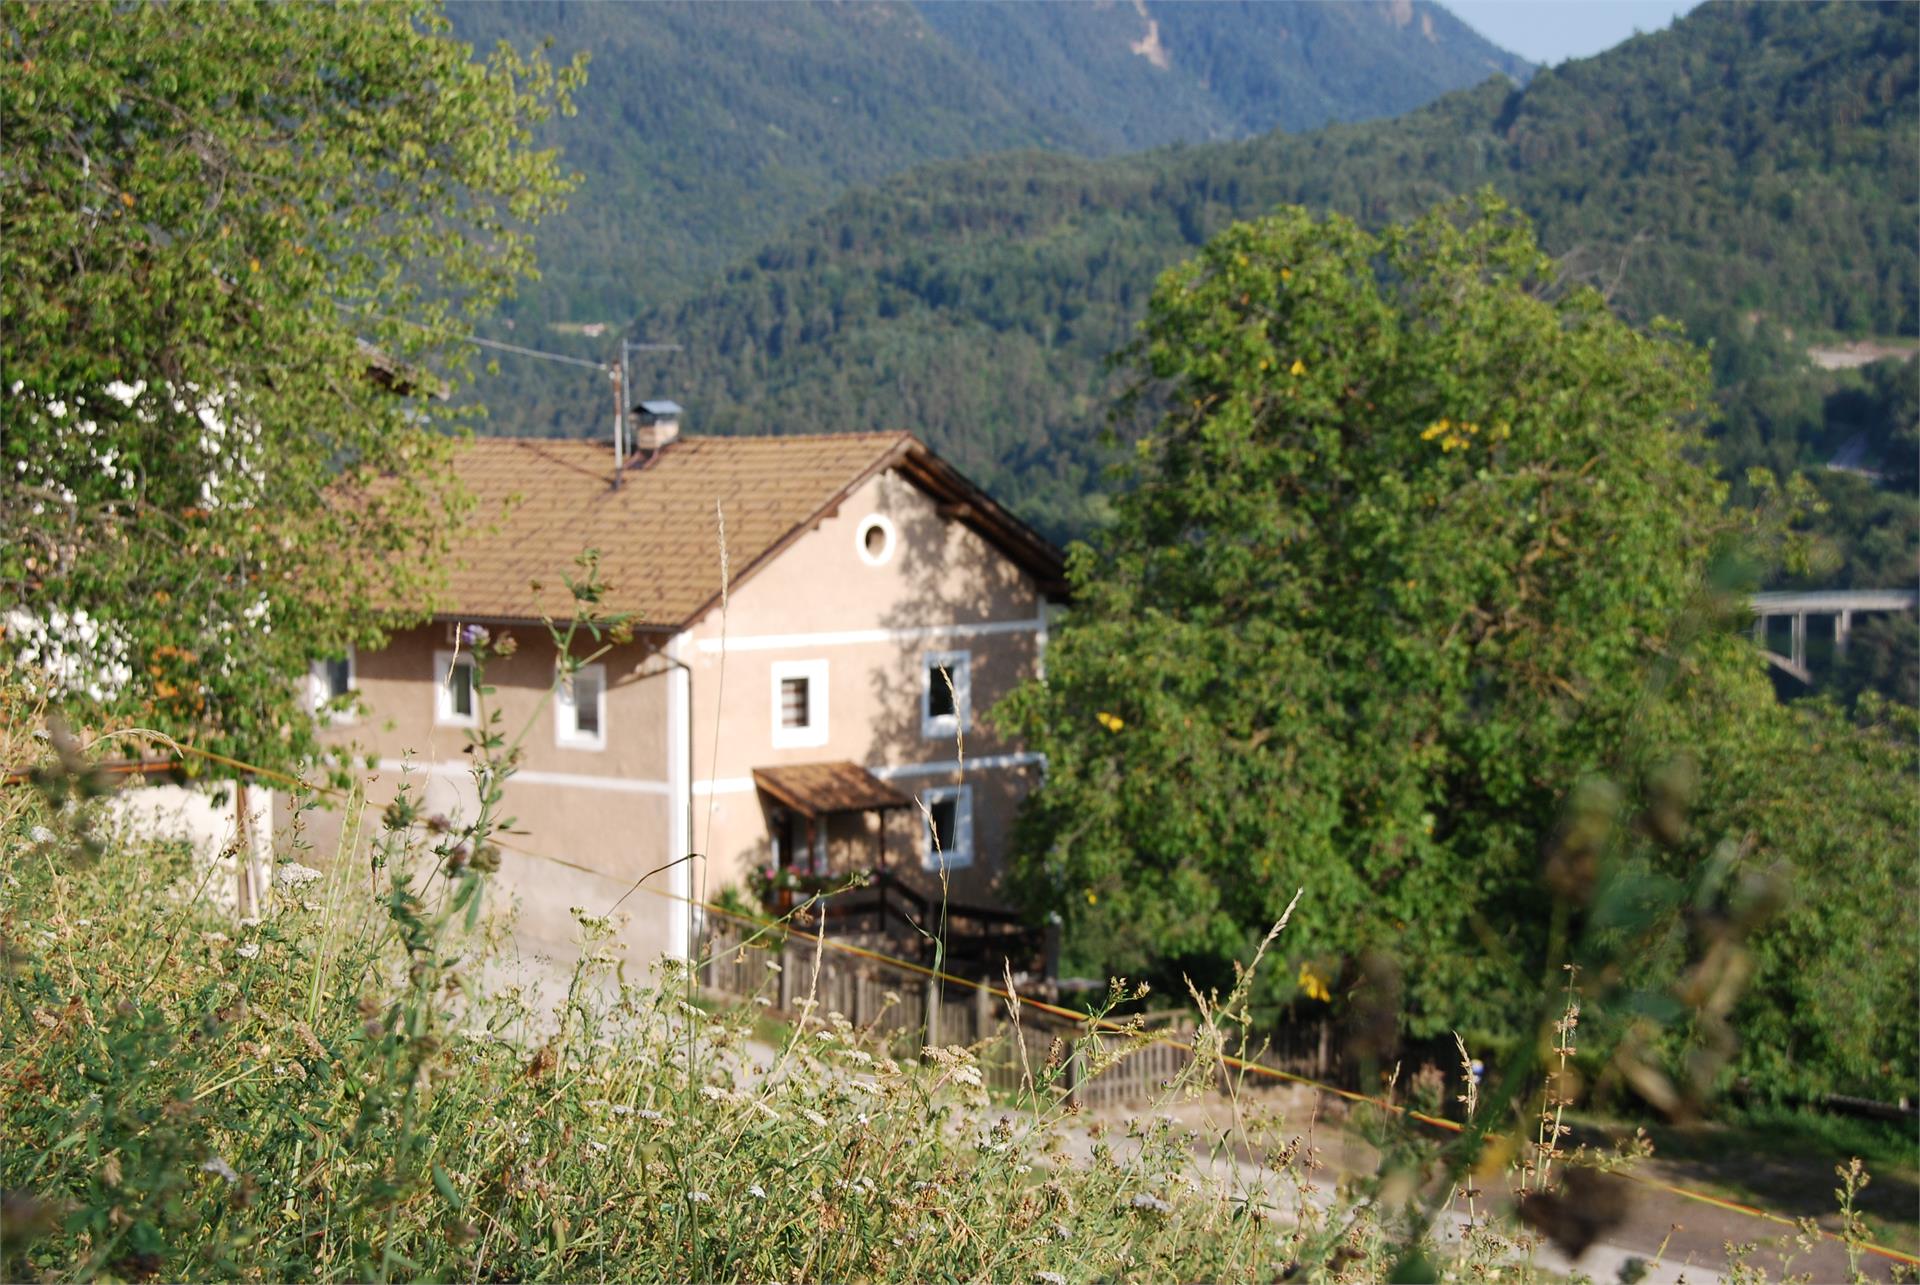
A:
x,y
706,129
1750,172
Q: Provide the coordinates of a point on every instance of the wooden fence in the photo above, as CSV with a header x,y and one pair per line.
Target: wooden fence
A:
x,y
895,1001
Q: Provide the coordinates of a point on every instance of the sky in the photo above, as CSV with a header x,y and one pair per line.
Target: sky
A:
x,y
1552,31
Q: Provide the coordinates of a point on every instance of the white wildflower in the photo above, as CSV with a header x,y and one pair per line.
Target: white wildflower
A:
x,y
40,834
622,1108
295,875
645,1114
247,951
712,1094
220,1166
757,1191
1050,1278
1152,1204
819,1121
699,1197
599,1147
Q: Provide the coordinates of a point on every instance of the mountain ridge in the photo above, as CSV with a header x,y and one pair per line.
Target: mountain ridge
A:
x,y
707,129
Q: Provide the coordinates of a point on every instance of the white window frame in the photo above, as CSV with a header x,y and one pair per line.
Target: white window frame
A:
x,y
444,714
566,727
317,691
946,726
960,855
891,537
815,732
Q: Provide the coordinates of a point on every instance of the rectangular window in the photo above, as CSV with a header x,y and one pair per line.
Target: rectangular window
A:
x,y
946,693
455,702
793,702
332,680
580,709
799,714
948,826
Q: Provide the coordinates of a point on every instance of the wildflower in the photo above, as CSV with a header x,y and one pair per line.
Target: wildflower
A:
x,y
1050,1278
1112,722
474,635
247,951
1151,1204
1312,985
757,1191
645,1114
40,834
713,1094
295,875
699,1197
1298,368
622,1108
598,1147
219,1165
819,1121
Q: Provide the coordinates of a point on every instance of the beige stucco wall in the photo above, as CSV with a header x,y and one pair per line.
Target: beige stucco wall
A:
x,y
593,820
944,589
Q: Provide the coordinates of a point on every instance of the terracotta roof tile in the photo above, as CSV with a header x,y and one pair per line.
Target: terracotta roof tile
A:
x,y
543,502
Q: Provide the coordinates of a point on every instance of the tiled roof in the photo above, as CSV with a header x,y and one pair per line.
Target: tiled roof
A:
x,y
542,502
821,789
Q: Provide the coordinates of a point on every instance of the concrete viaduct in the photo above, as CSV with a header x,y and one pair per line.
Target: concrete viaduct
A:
x,y
1842,604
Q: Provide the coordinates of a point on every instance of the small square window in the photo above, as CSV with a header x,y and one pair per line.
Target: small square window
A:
x,y
799,714
580,708
455,698
948,825
946,693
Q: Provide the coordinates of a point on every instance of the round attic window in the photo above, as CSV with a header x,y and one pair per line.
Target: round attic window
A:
x,y
874,541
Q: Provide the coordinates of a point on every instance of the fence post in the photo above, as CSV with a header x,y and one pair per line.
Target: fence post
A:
x,y
982,1012
786,979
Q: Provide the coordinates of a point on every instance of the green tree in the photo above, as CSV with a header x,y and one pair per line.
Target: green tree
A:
x,y
1398,553
237,244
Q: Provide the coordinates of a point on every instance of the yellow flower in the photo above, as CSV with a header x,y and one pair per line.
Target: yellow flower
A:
x,y
1286,274
1112,722
1092,897
1312,985
1299,367
1434,429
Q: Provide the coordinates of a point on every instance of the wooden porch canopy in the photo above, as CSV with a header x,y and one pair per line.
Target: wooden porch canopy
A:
x,y
824,789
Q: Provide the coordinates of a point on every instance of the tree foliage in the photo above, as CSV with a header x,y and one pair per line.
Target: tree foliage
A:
x,y
237,243
1415,529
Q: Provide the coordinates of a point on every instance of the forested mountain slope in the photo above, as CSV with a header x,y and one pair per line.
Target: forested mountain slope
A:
x,y
1749,171
705,129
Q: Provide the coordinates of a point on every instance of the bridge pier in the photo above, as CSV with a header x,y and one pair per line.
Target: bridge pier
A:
x,y
1841,604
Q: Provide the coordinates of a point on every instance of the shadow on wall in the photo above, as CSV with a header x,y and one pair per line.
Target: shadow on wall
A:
x,y
952,577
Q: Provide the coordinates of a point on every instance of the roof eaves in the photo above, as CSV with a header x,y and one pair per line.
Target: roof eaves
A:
x,y
1034,553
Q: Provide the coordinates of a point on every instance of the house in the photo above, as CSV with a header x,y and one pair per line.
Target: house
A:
x,y
819,624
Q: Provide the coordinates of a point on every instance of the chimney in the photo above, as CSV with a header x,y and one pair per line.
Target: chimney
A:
x,y
656,422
